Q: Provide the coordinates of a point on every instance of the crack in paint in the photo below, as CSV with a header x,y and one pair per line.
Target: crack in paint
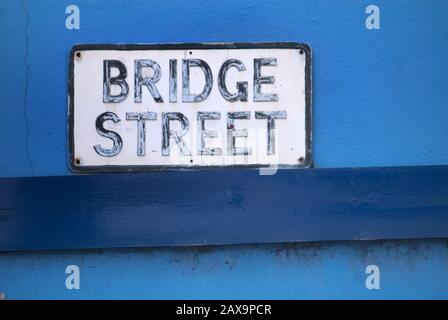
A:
x,y
25,95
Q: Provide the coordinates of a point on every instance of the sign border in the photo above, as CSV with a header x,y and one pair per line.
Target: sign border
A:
x,y
307,163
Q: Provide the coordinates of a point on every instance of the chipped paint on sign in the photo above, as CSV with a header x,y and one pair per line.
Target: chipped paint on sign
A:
x,y
239,105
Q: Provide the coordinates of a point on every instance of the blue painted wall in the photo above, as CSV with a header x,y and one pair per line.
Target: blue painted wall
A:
x,y
332,270
379,99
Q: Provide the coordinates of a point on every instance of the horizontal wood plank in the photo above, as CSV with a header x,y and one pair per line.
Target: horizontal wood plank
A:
x,y
222,207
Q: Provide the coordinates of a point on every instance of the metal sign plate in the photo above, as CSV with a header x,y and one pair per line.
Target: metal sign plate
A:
x,y
153,107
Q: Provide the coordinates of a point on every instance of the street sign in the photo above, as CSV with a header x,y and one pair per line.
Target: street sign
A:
x,y
153,107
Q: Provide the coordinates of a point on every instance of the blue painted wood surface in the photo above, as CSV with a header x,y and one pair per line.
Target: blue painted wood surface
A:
x,y
223,207
412,269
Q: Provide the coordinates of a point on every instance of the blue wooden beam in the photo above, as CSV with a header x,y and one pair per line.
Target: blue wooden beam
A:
x,y
222,207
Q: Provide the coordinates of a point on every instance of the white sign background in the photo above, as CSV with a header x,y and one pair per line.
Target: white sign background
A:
x,y
289,85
